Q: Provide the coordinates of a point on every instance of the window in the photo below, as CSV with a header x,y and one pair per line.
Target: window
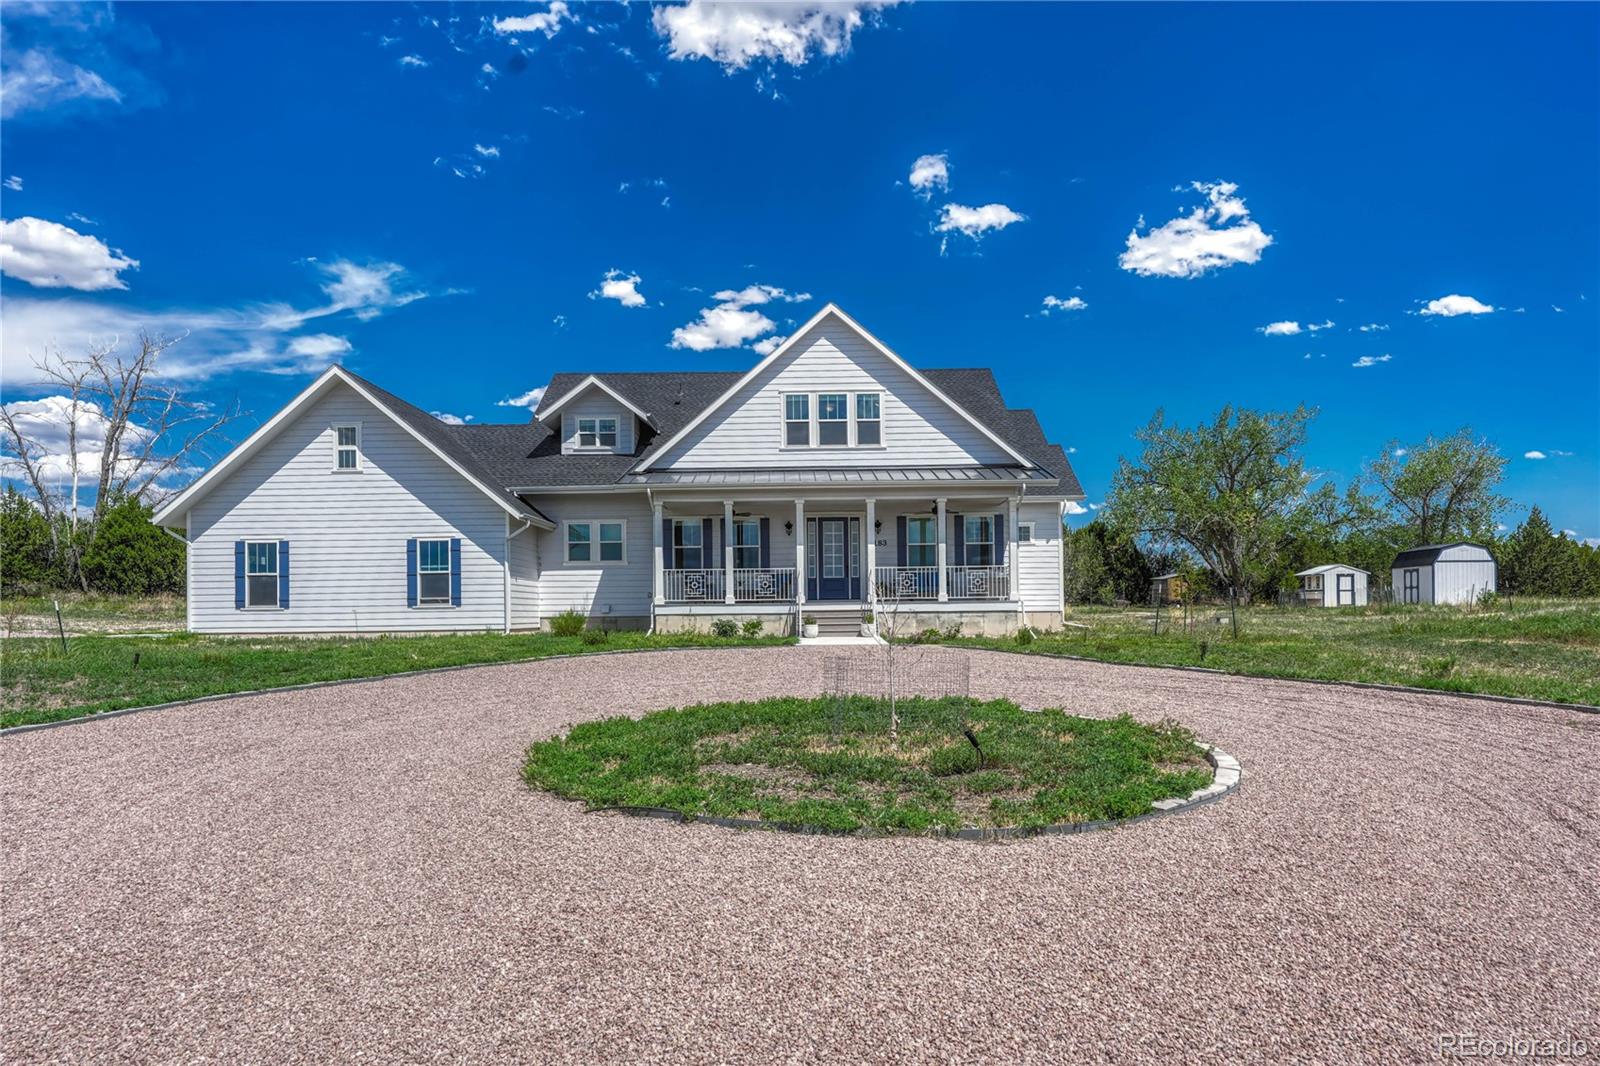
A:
x,y
433,572
833,419
261,573
979,530
922,549
597,432
1024,532
747,543
597,542
347,447
833,550
1313,582
797,420
869,423
687,548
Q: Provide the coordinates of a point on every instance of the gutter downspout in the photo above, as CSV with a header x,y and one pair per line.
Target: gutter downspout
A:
x,y
650,501
1022,609
526,525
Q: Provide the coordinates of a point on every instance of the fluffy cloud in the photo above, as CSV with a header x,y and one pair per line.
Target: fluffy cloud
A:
x,y
1371,360
320,348
529,399
734,35
37,79
1316,327
450,419
974,222
1279,329
1056,303
620,286
1076,508
47,422
14,183
1534,455
547,22
53,256
767,345
930,172
1453,305
732,322
413,61
1217,234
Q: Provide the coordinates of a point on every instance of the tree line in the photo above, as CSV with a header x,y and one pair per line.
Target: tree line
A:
x,y
1232,505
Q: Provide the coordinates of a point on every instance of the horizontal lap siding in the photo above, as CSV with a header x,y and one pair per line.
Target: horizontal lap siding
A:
x,y
524,580
1040,561
918,428
596,404
587,588
347,532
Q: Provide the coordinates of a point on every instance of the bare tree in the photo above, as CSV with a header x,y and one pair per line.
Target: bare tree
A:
x,y
148,429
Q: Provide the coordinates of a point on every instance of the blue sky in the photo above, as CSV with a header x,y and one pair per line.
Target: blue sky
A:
x,y
432,193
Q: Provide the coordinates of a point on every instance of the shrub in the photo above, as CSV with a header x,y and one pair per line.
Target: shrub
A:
x,y
927,636
724,627
1488,598
1025,635
593,637
951,631
567,624
25,560
752,627
131,555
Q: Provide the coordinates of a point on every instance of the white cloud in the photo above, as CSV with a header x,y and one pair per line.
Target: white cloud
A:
x,y
14,183
487,151
974,222
1558,310
1572,533
930,172
37,79
1373,327
1217,234
450,419
52,256
1056,303
384,41
1096,506
735,34
321,348
47,421
413,61
1371,360
620,286
83,220
1453,305
1316,327
529,399
1075,508
732,323
547,22
767,345
1399,453
1279,329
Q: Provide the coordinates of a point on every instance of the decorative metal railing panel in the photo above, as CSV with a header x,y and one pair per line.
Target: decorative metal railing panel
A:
x,y
978,582
764,585
692,586
908,582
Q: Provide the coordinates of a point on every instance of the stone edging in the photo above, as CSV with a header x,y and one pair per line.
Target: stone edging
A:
x,y
96,716
1224,779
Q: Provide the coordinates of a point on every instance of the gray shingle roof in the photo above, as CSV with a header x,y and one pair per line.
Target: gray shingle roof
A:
x,y
529,454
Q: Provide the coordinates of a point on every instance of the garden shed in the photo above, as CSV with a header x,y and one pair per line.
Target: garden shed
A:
x,y
1167,588
1443,573
1333,585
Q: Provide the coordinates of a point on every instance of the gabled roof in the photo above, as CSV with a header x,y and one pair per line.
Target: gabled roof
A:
x,y
431,433
1325,567
593,382
1427,554
794,338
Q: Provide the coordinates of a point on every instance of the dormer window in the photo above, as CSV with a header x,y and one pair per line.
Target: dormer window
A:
x,y
597,432
347,448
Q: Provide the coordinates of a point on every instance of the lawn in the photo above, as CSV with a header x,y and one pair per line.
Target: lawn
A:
x,y
1538,649
831,764
90,612
41,683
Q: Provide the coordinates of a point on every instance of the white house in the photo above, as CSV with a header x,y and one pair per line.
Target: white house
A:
x,y
1333,585
832,478
1443,573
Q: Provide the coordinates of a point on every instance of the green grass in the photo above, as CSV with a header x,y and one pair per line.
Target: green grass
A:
x,y
831,765
1537,649
41,683
89,611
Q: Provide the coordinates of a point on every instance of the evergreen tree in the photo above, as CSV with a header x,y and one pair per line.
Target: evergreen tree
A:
x,y
130,554
26,563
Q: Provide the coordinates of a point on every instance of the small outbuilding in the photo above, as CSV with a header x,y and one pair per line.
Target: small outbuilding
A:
x,y
1167,588
1444,573
1333,585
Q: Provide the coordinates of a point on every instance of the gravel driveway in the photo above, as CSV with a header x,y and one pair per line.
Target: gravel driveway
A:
x,y
358,871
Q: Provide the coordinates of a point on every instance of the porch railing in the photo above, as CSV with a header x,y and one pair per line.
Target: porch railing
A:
x,y
764,584
750,585
979,582
692,586
961,582
908,582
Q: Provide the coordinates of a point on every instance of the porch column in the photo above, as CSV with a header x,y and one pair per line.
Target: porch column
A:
x,y
799,551
1011,554
941,523
727,551
657,592
872,551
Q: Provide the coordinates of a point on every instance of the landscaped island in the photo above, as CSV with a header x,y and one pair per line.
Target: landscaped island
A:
x,y
831,764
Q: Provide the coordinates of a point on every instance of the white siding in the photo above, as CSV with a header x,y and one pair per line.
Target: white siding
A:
x,y
347,532
918,428
1397,582
524,555
1040,561
594,403
1462,573
1330,586
608,591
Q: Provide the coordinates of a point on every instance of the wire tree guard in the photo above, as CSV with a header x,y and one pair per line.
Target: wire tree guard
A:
x,y
936,674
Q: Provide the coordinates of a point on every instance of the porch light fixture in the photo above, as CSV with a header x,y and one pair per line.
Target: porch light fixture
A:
x,y
788,527
877,525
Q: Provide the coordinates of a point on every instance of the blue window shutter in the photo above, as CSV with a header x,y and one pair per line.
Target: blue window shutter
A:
x,y
766,543
455,571
960,526
999,540
411,572
283,575
705,546
666,544
900,540
238,575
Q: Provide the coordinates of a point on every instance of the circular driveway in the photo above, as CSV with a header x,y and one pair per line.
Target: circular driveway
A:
x,y
359,871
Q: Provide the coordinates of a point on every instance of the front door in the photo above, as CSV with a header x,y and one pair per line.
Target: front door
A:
x,y
833,559
1346,590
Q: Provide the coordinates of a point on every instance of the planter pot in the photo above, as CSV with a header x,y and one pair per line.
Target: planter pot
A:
x,y
809,630
868,629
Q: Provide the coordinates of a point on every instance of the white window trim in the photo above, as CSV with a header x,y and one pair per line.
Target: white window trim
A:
x,y
277,573
933,530
733,542
446,538
813,407
707,551
577,433
967,543
594,542
1029,527
361,460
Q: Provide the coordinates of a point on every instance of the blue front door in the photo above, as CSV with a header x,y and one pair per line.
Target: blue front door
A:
x,y
833,559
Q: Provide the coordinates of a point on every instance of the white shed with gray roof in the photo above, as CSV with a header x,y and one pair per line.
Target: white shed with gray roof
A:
x,y
1444,573
1333,585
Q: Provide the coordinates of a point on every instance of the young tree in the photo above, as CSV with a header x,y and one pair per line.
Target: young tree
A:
x,y
131,555
26,561
1535,560
1233,490
1444,488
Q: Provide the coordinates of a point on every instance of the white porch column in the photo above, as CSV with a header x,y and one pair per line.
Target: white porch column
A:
x,y
799,551
944,578
872,551
658,593
727,551
1011,554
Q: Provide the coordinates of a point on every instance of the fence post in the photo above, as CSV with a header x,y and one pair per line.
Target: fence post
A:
x,y
1233,611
